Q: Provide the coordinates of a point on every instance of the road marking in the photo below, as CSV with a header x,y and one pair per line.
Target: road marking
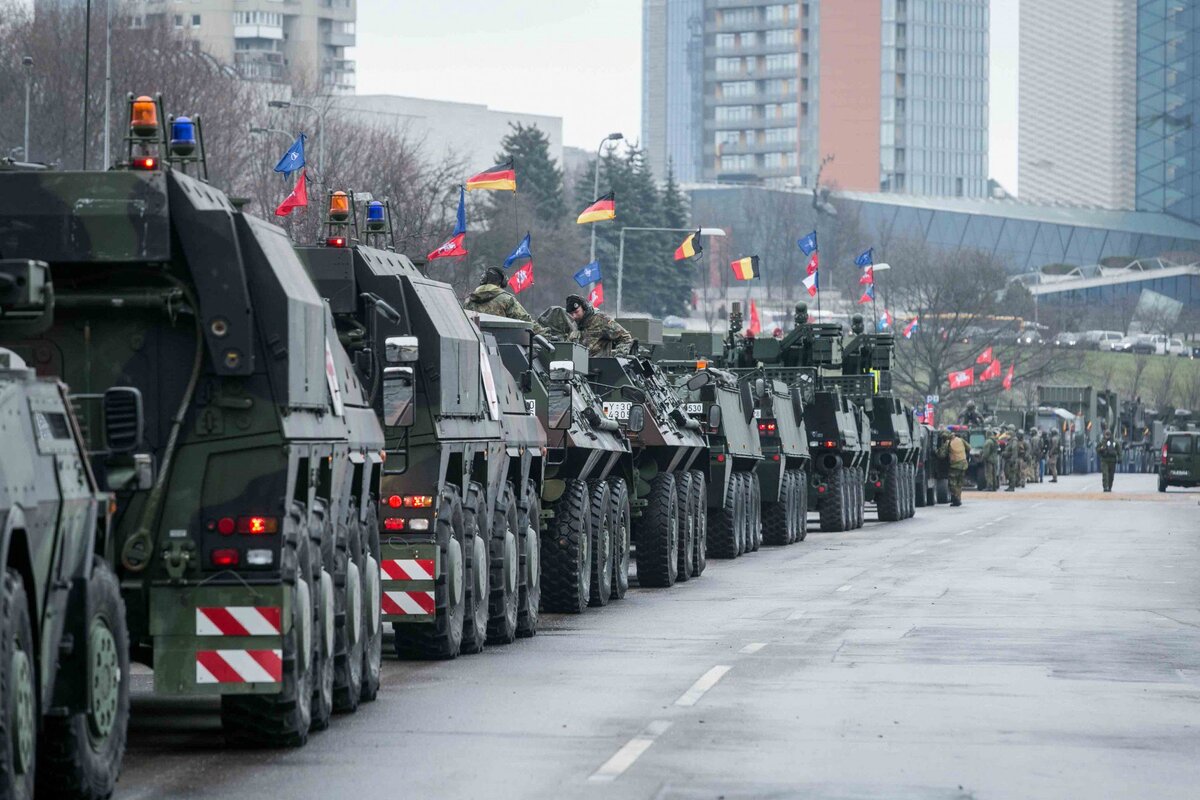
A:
x,y
943,541
630,752
964,533
796,614
702,685
753,647
845,588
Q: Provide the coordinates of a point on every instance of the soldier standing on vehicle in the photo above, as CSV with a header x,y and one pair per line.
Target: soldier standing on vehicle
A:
x,y
1053,448
1109,451
988,454
490,297
955,450
600,333
970,416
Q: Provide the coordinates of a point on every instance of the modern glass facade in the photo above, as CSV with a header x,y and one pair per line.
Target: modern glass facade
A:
x,y
1168,108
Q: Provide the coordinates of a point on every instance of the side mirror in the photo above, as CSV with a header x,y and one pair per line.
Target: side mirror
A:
x,y
124,420
714,417
699,380
561,406
399,389
637,418
401,349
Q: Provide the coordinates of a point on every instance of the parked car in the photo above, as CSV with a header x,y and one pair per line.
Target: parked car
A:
x,y
1126,344
1177,347
1067,339
1029,336
1102,340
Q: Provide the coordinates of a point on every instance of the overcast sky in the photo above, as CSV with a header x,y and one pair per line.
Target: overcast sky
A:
x,y
576,59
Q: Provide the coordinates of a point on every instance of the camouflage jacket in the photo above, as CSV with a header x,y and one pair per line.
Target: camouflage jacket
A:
x,y
604,336
489,299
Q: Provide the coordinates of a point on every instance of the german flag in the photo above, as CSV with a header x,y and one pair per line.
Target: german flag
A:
x,y
690,248
500,178
604,208
746,268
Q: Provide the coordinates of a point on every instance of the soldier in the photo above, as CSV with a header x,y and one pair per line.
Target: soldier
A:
x,y
490,297
970,416
1034,474
1022,458
1011,454
599,332
1053,448
1109,450
987,454
559,325
955,450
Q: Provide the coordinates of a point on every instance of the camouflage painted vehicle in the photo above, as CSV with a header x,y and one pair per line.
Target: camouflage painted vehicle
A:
x,y
237,507
670,526
809,358
585,541
453,483
782,475
64,644
867,380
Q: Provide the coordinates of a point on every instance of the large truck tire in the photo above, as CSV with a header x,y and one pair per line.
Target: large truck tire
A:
x,y
725,522
350,634
778,517
887,499
919,483
802,505
19,712
657,534
477,529
504,559
529,526
602,549
860,497
566,553
754,500
621,532
442,638
832,507
942,491
372,609
687,526
80,754
285,719
910,491
699,495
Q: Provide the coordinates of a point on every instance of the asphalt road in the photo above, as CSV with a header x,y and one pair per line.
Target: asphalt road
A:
x,y
1038,644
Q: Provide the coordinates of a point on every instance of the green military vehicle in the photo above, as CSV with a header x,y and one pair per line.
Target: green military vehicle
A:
x,y
1180,464
238,505
64,644
463,452
670,526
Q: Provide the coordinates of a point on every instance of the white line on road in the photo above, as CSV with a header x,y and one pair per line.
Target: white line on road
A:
x,y
964,533
845,588
943,541
632,750
702,685
753,647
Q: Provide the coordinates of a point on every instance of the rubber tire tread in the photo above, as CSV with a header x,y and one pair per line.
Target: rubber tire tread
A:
x,y
887,500
373,647
502,604
657,534
15,625
832,507
566,577
699,500
618,492
529,598
802,505
723,522
441,639
686,527
600,506
475,611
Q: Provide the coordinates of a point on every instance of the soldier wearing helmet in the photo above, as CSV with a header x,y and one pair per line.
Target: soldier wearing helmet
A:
x,y
970,416
490,297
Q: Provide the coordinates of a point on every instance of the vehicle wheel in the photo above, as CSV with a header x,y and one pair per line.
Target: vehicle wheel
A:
x,y
476,531
860,507
742,522
687,526
566,560
504,559
351,632
372,605
919,487
853,484
285,719
725,522
657,534
1162,482
802,505
442,638
887,499
942,491
777,517
699,501
19,712
529,524
618,493
326,550
910,485
602,550
754,498
832,506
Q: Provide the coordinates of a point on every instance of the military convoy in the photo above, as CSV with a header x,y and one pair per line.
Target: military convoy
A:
x,y
270,451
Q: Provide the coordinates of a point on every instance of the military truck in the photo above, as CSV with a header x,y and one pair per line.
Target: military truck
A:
x,y
463,452
239,501
64,644
585,543
670,525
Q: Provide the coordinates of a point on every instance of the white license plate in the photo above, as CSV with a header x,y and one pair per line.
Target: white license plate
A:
x,y
531,406
1180,472
693,408
617,411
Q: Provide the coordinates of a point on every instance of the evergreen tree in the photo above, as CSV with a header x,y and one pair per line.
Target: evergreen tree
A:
x,y
537,174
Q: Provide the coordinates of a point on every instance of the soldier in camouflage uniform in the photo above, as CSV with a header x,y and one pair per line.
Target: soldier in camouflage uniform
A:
x,y
987,455
490,297
1012,460
599,332
1053,451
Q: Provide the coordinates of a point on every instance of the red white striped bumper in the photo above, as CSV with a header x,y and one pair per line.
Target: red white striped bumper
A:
x,y
409,574
239,666
238,621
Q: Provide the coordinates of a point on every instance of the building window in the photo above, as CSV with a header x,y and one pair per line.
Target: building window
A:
x,y
779,135
738,16
776,13
734,113
137,22
725,41
195,20
727,137
779,61
779,160
728,65
178,21
737,162
737,89
781,36
269,18
780,86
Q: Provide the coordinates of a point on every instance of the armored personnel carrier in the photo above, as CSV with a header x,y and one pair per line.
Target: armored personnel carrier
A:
x,y
238,503
64,644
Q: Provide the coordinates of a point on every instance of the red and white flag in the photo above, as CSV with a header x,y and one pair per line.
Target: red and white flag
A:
x,y
755,326
992,371
450,248
868,276
985,357
298,198
810,283
814,262
596,296
522,279
1008,379
961,378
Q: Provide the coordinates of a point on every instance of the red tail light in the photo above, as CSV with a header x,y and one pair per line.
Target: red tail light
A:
x,y
335,241
144,163
1164,455
821,489
226,526
225,557
410,501
257,526
720,458
767,426
775,457
393,524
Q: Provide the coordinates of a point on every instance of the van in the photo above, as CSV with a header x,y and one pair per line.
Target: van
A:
x,y
1180,465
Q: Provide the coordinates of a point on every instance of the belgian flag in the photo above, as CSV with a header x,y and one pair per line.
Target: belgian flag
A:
x,y
604,208
746,268
500,178
690,248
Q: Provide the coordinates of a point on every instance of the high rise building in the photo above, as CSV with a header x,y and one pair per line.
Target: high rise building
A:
x,y
1078,82
302,42
888,94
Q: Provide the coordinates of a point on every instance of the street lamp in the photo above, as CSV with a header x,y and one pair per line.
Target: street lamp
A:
x,y
284,134
621,249
320,128
27,63
612,137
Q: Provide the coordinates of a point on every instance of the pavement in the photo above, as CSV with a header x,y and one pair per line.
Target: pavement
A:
x,y
1042,644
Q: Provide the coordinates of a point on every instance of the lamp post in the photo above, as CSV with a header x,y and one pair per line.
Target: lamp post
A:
x,y
283,133
27,63
320,128
621,249
612,137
